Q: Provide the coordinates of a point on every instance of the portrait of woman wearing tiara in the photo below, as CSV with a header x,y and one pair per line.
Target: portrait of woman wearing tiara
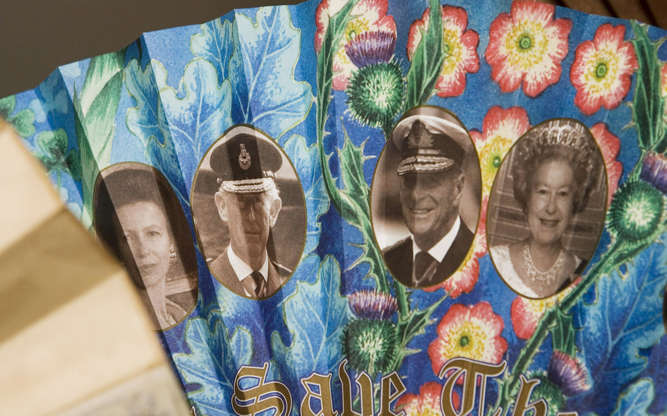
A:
x,y
547,207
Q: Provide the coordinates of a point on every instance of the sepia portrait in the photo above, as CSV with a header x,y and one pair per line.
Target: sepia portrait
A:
x,y
137,215
547,208
249,212
425,197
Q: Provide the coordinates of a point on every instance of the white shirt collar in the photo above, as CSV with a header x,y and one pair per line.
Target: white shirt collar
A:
x,y
242,269
440,249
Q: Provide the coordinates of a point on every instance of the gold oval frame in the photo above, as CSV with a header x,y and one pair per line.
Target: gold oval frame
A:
x,y
496,180
479,209
273,142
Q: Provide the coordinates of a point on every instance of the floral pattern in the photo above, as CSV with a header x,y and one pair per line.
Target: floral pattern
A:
x,y
500,129
341,303
375,93
460,47
602,68
526,313
637,213
480,244
527,46
370,345
609,146
463,280
370,48
426,403
371,304
654,171
568,373
468,331
368,16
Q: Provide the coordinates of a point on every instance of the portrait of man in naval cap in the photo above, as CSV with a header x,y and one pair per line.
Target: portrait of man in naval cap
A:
x,y
246,194
435,168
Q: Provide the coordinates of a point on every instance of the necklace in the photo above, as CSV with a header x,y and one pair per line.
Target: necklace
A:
x,y
548,276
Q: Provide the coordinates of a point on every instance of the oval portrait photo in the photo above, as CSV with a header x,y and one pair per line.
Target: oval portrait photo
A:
x,y
137,216
547,208
249,212
425,197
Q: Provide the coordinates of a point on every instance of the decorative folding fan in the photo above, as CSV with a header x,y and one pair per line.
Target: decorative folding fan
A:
x,y
274,178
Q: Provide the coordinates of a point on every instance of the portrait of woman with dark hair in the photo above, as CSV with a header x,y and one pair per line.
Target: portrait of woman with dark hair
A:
x,y
553,172
138,217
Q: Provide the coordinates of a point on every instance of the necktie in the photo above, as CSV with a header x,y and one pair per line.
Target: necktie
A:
x,y
258,279
425,267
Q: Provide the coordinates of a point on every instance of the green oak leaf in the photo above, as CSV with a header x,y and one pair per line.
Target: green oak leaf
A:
x,y
562,334
648,105
95,106
23,121
427,60
7,105
332,37
53,152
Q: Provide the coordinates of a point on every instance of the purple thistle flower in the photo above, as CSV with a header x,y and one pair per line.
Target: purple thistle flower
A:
x,y
371,304
370,48
568,373
654,171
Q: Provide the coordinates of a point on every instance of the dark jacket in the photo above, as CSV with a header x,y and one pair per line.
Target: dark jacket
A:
x,y
222,270
399,257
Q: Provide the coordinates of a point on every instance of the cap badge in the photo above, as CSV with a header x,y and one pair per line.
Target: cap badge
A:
x,y
419,136
244,158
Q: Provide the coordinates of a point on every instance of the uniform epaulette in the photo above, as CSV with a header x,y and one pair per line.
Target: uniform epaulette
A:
x,y
282,270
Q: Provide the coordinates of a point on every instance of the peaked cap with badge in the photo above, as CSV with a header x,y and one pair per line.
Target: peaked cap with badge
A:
x,y
430,140
245,162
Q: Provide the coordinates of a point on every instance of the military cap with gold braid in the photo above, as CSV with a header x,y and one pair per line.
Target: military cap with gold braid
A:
x,y
246,161
430,140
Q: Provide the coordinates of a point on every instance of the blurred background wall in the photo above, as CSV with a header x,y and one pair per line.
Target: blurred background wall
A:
x,y
38,35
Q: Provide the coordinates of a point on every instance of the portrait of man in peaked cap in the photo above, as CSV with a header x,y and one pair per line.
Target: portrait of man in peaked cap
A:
x,y
426,197
245,193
